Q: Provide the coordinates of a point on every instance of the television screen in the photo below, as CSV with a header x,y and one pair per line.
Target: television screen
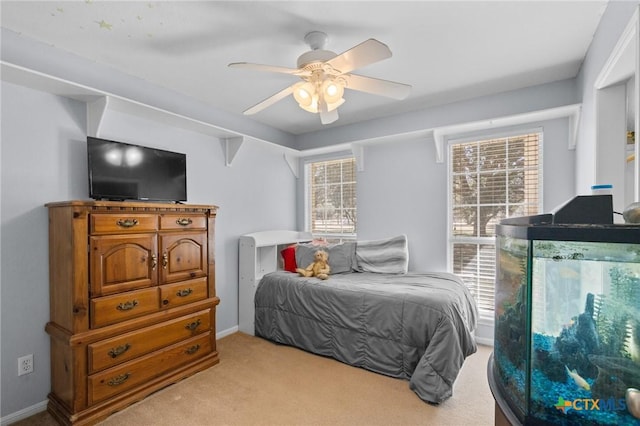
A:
x,y
122,171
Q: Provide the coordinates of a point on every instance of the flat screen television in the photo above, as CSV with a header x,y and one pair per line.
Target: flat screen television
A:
x,y
122,171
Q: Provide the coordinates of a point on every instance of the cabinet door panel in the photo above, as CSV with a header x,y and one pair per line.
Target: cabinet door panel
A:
x,y
121,263
184,256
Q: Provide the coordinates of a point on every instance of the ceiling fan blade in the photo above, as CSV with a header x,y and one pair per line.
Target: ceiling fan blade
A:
x,y
390,89
269,68
365,53
327,117
269,101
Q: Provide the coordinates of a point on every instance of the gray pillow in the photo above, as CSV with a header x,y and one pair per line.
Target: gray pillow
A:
x,y
342,257
388,256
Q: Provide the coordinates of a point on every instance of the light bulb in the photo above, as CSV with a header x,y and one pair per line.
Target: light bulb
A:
x,y
332,91
303,93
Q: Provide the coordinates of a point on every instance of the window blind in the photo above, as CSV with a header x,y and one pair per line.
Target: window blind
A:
x,y
490,180
332,198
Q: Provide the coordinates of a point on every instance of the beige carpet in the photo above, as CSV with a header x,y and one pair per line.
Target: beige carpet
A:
x,y
260,383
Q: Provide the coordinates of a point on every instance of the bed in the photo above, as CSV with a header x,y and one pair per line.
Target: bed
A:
x,y
414,326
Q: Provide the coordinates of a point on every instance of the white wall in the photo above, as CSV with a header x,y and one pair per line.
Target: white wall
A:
x,y
402,190
504,104
42,140
44,159
612,24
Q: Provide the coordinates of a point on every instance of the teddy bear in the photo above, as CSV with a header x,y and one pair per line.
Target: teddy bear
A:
x,y
318,268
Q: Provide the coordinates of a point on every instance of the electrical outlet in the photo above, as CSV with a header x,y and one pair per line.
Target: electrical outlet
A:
x,y
25,365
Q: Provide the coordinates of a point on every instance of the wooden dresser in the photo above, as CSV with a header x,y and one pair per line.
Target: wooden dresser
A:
x,y
132,300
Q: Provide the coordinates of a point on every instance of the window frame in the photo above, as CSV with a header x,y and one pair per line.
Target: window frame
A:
x,y
486,317
306,187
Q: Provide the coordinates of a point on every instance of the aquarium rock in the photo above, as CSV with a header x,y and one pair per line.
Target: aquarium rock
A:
x,y
616,374
577,342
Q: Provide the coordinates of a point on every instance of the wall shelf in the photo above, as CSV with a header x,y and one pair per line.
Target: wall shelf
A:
x,y
99,103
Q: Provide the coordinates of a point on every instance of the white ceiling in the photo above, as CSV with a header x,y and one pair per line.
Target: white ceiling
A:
x,y
447,50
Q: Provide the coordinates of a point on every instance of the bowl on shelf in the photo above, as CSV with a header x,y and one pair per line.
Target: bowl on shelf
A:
x,y
631,213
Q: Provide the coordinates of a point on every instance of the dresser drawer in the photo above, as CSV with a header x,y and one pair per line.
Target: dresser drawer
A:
x,y
120,307
117,224
136,372
171,221
183,292
108,353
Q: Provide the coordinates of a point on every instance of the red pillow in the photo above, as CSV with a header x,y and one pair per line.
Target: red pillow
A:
x,y
289,257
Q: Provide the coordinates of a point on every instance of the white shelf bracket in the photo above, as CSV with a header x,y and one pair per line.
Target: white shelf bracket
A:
x,y
293,163
574,122
231,147
438,139
95,114
358,154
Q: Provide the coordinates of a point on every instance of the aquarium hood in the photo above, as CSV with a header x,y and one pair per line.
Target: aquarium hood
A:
x,y
583,218
580,210
585,209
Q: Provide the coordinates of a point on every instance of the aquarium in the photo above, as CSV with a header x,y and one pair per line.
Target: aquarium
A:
x,y
567,323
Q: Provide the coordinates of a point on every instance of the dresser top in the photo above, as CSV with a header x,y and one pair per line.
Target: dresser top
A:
x,y
131,206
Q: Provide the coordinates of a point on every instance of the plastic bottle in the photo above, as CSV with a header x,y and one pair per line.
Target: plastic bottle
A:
x,y
603,189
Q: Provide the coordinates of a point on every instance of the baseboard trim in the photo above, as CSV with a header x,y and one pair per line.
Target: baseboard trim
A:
x,y
24,413
484,341
228,331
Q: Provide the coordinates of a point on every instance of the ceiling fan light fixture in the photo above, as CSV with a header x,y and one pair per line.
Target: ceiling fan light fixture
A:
x,y
311,108
325,75
332,91
304,94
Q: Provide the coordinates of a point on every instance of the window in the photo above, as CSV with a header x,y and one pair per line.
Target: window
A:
x,y
489,180
331,199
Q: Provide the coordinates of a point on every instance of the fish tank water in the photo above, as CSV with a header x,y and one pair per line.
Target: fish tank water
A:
x,y
567,323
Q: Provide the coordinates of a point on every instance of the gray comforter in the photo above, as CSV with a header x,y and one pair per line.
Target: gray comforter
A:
x,y
412,326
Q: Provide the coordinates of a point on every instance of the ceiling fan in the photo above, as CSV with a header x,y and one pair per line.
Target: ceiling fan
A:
x,y
325,75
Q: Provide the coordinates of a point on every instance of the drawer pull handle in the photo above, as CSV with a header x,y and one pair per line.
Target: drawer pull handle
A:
x,y
184,292
154,261
115,352
165,260
192,350
127,223
192,326
127,306
184,221
118,380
